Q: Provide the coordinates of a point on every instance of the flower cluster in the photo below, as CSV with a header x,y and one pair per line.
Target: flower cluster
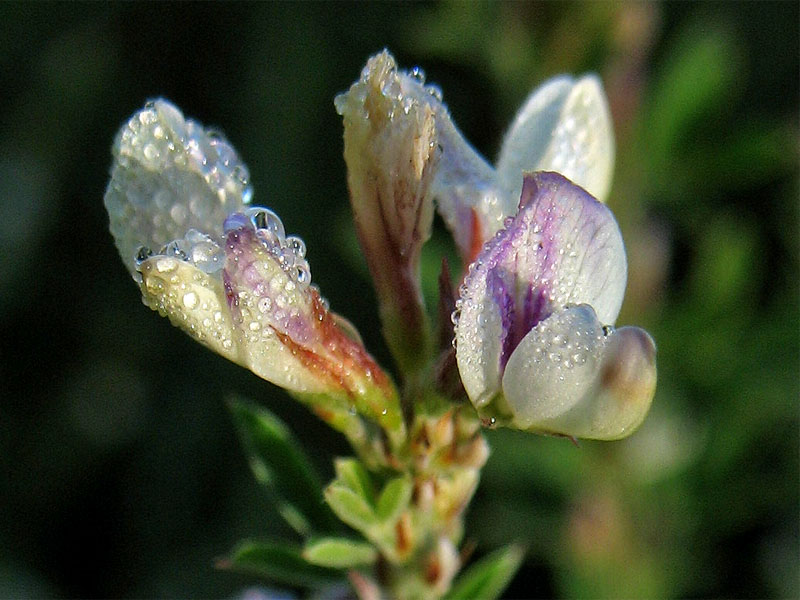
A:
x,y
528,337
545,261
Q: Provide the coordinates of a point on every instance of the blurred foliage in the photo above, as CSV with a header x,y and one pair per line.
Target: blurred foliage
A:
x,y
120,472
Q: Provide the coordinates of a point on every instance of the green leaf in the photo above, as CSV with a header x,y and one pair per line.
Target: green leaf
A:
x,y
487,578
278,562
351,473
281,466
394,499
339,553
350,507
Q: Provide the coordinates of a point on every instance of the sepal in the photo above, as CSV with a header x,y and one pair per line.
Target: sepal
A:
x,y
488,577
384,519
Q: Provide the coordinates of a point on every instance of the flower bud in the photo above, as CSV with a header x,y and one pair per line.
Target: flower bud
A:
x,y
391,151
232,280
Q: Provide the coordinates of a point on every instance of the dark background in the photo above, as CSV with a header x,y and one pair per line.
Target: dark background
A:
x,y
120,473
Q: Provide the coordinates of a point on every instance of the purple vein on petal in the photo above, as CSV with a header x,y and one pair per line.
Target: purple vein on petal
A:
x,y
518,314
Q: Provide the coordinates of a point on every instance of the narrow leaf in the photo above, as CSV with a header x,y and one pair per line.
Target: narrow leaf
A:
x,y
339,553
281,466
487,578
278,562
394,499
350,507
351,473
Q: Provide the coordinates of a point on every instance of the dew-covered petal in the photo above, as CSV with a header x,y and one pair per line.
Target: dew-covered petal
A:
x,y
284,329
562,248
244,325
391,151
554,366
564,126
193,300
271,304
570,375
234,281
170,175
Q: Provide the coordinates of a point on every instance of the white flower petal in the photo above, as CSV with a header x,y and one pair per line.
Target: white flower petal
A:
x,y
554,367
465,189
170,175
479,339
193,301
564,126
570,376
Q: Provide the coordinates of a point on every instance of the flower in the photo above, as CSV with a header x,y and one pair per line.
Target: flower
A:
x,y
534,342
229,275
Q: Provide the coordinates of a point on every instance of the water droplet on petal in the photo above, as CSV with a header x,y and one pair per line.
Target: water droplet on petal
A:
x,y
142,254
166,265
435,91
190,300
297,245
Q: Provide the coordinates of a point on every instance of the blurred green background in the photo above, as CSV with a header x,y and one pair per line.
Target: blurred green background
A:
x,y
120,473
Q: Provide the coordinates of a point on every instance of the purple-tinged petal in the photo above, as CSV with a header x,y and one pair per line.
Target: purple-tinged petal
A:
x,y
257,307
284,330
562,248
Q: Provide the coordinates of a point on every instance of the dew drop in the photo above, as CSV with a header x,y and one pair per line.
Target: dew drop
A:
x,y
264,218
190,300
150,152
142,254
303,276
435,91
166,265
247,194
297,245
